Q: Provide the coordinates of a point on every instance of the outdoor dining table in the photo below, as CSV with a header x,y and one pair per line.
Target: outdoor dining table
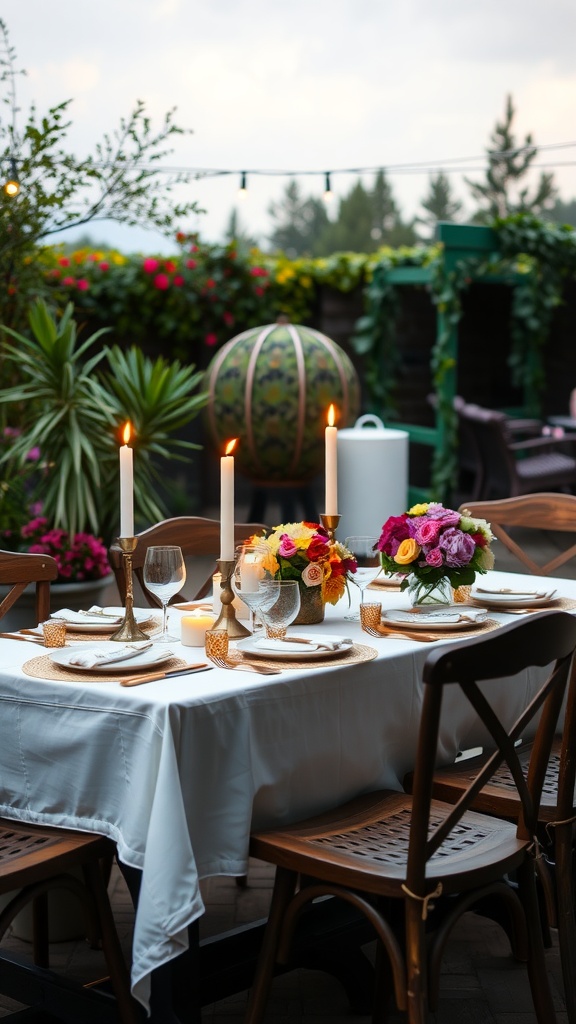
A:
x,y
178,771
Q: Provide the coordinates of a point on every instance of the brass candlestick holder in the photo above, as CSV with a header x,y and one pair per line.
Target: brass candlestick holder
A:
x,y
330,524
129,629
227,619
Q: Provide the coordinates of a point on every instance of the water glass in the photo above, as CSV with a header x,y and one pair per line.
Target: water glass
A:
x,y
216,643
54,631
370,614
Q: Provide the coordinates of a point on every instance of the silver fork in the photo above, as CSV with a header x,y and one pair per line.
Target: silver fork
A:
x,y
262,669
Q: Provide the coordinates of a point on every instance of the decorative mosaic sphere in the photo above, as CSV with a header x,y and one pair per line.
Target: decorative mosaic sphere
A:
x,y
271,387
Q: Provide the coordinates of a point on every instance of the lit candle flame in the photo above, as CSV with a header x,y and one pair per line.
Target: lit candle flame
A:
x,y
127,432
331,415
231,446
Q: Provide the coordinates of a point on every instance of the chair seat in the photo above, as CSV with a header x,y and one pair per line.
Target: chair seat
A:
x,y
553,467
31,853
364,844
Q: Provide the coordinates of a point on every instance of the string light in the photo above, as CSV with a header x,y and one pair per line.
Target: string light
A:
x,y
12,185
327,188
243,190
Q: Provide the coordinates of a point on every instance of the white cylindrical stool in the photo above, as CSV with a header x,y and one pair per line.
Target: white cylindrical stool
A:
x,y
372,476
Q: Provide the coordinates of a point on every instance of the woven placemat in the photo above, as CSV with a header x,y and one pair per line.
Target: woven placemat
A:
x,y
152,625
353,656
44,668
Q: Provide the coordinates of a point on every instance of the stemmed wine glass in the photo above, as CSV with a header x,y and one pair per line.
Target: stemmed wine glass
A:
x,y
278,616
252,584
164,576
367,556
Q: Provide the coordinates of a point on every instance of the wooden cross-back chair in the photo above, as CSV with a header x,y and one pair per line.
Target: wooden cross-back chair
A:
x,y
194,534
19,570
396,856
551,512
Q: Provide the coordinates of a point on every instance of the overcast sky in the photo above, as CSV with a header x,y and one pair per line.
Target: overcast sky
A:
x,y
309,85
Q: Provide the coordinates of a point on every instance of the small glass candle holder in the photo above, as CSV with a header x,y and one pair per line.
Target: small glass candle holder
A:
x,y
370,614
54,631
216,643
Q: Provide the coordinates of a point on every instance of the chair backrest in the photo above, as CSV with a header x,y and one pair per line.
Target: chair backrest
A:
x,y
548,639
545,511
194,534
487,431
17,571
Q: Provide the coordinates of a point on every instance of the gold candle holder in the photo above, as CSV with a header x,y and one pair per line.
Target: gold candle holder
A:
x,y
129,629
330,524
227,619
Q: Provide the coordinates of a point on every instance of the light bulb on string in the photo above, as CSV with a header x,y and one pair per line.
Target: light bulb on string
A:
x,y
327,188
243,190
12,185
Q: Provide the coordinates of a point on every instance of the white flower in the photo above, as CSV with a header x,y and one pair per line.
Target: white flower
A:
x,y
313,574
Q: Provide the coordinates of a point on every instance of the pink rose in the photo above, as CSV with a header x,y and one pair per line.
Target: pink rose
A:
x,y
434,558
287,546
428,531
150,265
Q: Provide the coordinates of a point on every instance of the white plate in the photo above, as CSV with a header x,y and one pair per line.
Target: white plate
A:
x,y
292,651
191,606
152,656
520,599
98,624
447,619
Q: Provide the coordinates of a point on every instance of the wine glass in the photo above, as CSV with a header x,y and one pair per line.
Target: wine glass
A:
x,y
278,616
164,576
367,556
252,583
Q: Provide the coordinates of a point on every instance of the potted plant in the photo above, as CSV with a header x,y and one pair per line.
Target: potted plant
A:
x,y
68,407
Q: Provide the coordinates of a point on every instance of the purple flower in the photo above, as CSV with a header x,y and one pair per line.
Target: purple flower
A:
x,y
446,516
458,547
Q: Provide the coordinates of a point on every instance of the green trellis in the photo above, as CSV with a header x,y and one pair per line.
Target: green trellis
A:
x,y
534,258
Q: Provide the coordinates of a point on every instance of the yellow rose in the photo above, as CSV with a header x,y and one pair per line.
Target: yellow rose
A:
x,y
409,550
420,509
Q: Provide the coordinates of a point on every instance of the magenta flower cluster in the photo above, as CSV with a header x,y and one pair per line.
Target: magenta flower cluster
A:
x,y
79,557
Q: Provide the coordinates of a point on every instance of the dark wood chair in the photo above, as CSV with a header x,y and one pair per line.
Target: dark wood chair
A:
x,y
413,864
555,512
195,535
507,467
33,860
19,570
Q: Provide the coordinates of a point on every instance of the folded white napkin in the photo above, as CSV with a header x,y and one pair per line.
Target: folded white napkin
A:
x,y
303,644
95,656
85,618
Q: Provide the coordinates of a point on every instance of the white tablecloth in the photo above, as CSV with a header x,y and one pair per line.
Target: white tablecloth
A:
x,y
177,771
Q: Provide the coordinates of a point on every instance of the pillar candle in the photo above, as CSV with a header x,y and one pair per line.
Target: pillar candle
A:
x,y
193,628
227,504
331,480
126,487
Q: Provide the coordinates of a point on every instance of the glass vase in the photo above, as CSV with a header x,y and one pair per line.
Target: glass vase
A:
x,y
421,593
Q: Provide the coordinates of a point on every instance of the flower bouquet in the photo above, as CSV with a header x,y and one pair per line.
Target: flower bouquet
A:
x,y
437,548
305,552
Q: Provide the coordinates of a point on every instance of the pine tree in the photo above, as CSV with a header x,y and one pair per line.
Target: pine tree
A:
x,y
439,203
298,222
508,164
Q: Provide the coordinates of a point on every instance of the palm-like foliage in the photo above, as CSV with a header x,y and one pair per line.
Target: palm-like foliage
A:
x,y
72,409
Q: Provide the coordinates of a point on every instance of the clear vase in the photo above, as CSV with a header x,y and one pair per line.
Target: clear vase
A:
x,y
423,593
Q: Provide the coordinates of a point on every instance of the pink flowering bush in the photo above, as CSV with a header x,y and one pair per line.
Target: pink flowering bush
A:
x,y
79,557
433,543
